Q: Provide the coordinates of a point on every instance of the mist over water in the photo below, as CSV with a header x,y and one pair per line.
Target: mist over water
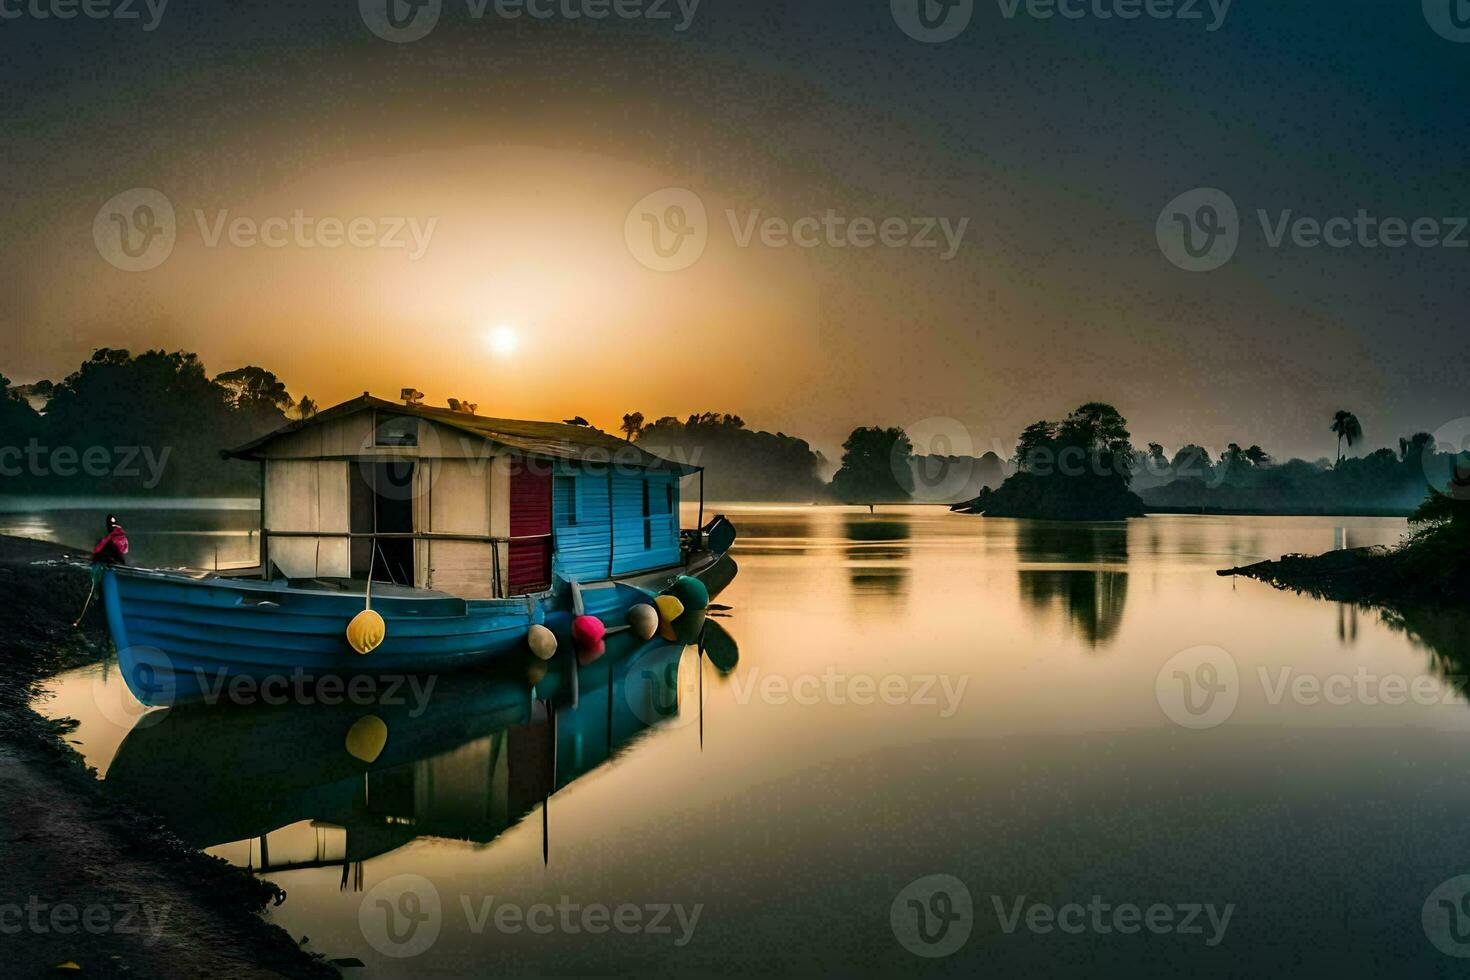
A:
x,y
917,693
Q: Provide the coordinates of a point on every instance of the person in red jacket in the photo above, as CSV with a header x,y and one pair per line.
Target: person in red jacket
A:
x,y
113,548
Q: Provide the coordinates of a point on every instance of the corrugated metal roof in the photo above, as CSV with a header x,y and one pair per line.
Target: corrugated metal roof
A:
x,y
549,440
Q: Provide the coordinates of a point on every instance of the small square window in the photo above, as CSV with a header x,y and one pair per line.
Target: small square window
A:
x,y
397,430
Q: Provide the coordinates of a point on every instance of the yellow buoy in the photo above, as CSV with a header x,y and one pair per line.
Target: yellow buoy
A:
x,y
366,632
669,609
367,738
541,641
643,620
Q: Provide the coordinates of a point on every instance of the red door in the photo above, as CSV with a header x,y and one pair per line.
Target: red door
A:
x,y
530,531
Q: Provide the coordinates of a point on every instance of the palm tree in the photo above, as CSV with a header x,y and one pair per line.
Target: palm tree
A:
x,y
1346,425
632,425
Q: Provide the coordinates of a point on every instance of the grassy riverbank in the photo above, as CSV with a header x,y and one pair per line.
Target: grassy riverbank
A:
x,y
1432,569
90,881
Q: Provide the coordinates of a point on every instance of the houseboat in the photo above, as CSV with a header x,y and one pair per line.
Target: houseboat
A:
x,y
398,538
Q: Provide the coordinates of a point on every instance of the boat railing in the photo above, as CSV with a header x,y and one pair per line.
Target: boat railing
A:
x,y
409,536
497,575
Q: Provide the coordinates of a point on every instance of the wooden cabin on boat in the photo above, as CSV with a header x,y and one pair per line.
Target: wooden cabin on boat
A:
x,y
442,499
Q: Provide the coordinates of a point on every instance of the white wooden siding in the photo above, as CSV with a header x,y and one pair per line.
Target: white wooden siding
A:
x,y
307,495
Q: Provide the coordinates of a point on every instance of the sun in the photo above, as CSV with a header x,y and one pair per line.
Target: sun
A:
x,y
503,340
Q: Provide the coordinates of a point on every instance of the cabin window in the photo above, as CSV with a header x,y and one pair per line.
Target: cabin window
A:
x,y
566,501
397,430
647,516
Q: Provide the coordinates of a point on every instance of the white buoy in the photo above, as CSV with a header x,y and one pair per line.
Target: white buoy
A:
x,y
541,641
643,620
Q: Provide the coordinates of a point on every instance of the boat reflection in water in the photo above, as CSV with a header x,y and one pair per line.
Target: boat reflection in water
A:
x,y
467,762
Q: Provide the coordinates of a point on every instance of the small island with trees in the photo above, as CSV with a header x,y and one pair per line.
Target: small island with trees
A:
x,y
1083,467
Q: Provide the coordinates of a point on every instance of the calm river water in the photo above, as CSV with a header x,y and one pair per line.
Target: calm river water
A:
x,y
951,745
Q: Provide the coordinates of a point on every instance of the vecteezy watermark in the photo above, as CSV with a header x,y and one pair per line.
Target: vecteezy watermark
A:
x,y
937,21
403,916
308,231
148,12
405,21
939,461
1446,917
862,690
833,230
299,687
1200,230
1200,688
1099,917
124,462
155,681
935,915
669,230
138,229
38,917
1450,19
933,21
1447,468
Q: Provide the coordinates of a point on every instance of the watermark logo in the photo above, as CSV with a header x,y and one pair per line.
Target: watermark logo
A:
x,y
405,21
1446,917
1199,688
1199,230
1451,477
401,916
119,10
1449,18
942,692
123,462
933,917
401,21
1185,11
937,21
150,682
838,231
656,688
136,230
946,461
574,918
668,230
933,21
41,918
1104,918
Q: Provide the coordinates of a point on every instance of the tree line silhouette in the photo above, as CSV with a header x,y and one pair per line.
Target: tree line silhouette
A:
x,y
88,433
1084,465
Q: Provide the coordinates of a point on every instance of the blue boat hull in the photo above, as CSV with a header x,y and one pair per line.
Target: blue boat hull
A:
x,y
182,639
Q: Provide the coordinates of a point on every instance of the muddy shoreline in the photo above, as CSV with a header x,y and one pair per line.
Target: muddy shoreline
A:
x,y
88,880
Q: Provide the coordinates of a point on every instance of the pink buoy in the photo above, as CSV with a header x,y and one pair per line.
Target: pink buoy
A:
x,y
588,633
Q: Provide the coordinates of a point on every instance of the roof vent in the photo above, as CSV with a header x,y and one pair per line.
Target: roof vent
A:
x,y
411,396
